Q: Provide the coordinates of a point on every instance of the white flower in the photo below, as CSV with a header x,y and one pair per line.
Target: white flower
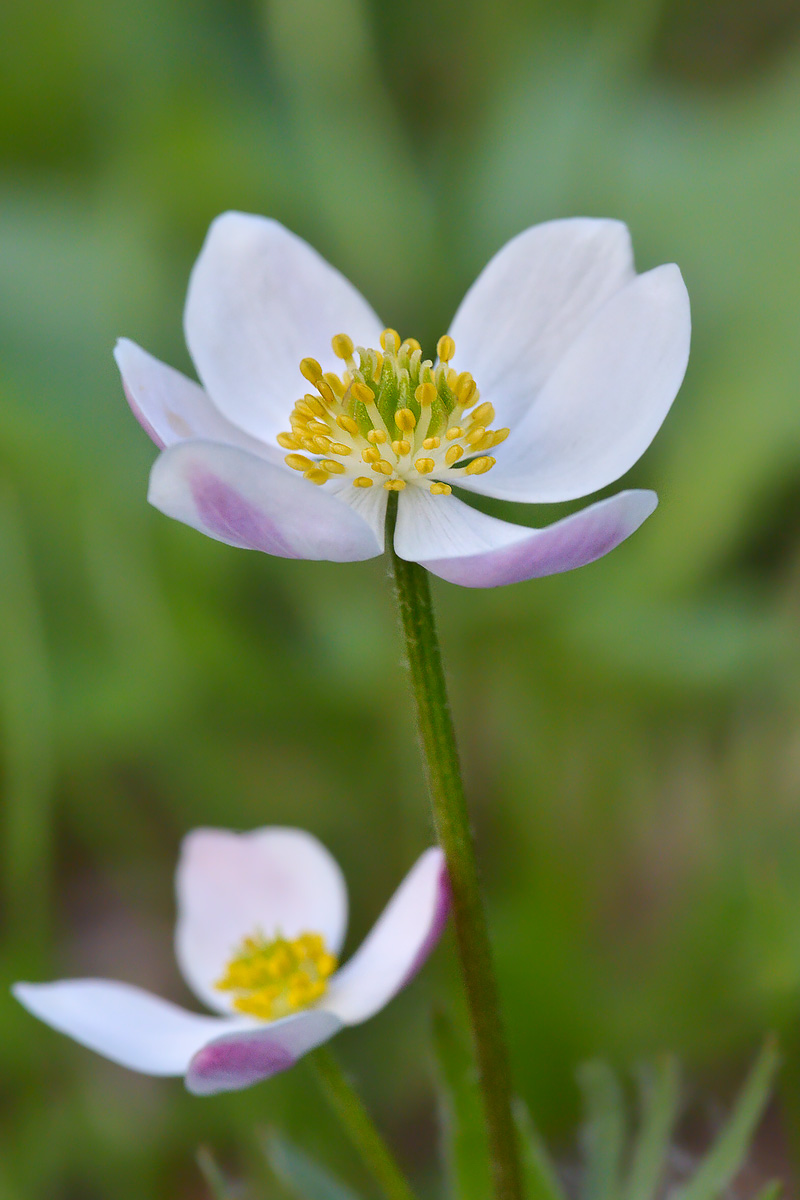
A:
x,y
577,359
261,918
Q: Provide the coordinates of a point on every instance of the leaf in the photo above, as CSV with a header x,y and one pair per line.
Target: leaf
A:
x,y
300,1175
603,1135
726,1156
539,1178
465,1149
218,1185
659,1091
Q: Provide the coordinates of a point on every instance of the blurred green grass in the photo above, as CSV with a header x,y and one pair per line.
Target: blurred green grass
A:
x,y
631,733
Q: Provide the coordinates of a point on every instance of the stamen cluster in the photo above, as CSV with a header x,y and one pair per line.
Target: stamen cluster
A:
x,y
392,413
273,978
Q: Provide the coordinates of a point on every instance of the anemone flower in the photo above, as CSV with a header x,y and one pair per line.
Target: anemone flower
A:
x,y
261,919
311,413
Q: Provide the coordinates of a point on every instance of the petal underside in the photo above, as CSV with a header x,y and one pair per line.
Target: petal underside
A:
x,y
472,549
124,1023
261,299
397,946
234,885
240,499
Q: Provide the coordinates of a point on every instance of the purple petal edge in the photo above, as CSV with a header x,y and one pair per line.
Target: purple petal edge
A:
x,y
236,1061
441,912
226,514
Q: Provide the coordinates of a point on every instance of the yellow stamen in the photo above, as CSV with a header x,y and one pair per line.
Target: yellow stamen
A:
x,y
455,431
476,434
440,489
298,462
340,448
347,424
390,335
383,466
274,978
453,454
363,481
377,436
363,393
401,447
445,348
424,465
330,465
431,443
310,370
370,454
404,419
479,466
288,441
317,475
425,394
395,485
483,414
342,346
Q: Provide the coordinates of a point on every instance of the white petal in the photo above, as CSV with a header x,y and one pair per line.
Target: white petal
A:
x,y
397,946
370,503
238,1060
530,303
232,885
124,1023
242,500
605,401
260,300
467,547
171,408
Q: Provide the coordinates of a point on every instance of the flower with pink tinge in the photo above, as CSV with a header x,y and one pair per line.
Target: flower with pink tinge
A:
x,y
261,920
560,365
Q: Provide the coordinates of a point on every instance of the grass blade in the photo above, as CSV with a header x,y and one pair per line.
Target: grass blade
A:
x,y
539,1177
659,1090
604,1131
300,1175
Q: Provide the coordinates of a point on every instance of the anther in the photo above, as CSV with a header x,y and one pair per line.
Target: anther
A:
x,y
370,454
445,348
310,370
321,445
298,462
425,394
326,392
347,423
390,341
483,414
318,427
334,383
424,465
401,447
363,481
340,448
453,454
316,475
395,485
455,431
288,441
363,393
376,436
499,436
440,489
404,419
432,443
476,434
479,466
383,467
342,346
412,344
333,467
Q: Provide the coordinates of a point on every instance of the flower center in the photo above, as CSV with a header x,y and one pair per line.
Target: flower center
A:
x,y
272,978
390,417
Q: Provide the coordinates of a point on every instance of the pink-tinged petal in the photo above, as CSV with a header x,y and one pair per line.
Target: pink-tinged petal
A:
x,y
242,500
124,1023
233,885
531,302
238,1060
370,503
469,548
171,408
605,401
397,946
260,300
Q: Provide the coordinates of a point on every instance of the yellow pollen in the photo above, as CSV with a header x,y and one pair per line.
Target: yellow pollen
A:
x,y
383,466
404,419
412,345
340,448
342,346
376,436
310,370
425,394
390,336
334,383
316,475
424,465
395,485
401,447
326,392
483,414
431,443
479,466
370,454
318,427
321,444
347,424
440,489
445,348
476,434
455,431
362,393
274,978
330,464
453,454
298,462
363,481
288,441
499,436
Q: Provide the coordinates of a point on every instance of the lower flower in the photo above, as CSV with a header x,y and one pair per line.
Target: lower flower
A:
x,y
261,919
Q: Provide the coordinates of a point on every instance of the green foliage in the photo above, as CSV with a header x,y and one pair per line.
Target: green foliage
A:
x,y
629,731
300,1175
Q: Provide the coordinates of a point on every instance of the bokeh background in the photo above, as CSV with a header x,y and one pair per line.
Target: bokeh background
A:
x,y
631,733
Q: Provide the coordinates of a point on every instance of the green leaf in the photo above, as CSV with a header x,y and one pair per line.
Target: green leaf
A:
x,y
218,1185
659,1091
466,1153
728,1153
300,1175
539,1178
771,1191
603,1134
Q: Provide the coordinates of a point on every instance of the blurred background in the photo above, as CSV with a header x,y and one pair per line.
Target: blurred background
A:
x,y
631,732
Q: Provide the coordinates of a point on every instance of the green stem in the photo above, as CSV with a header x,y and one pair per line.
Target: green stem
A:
x,y
451,818
359,1126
